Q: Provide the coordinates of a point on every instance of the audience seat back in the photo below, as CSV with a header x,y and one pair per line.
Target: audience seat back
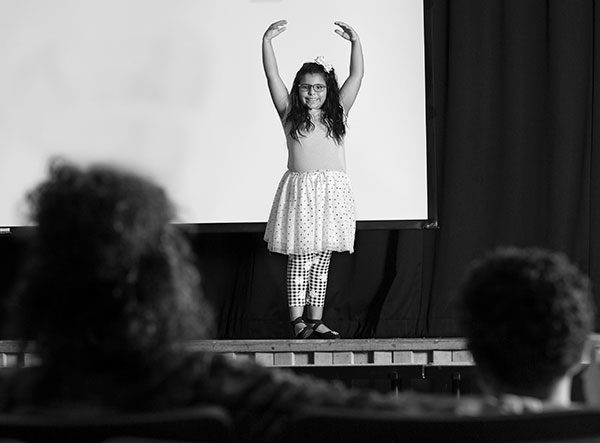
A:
x,y
328,425
201,424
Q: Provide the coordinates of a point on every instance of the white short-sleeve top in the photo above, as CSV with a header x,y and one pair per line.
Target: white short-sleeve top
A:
x,y
314,150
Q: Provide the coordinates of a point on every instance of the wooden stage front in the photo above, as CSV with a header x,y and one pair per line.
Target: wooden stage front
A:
x,y
441,352
325,353
439,365
309,353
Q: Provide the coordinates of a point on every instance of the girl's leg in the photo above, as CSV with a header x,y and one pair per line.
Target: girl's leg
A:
x,y
297,281
317,288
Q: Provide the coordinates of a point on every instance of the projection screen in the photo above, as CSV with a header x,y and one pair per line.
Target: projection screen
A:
x,y
175,89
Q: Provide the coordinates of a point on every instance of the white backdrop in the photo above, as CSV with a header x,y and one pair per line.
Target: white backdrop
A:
x,y
176,90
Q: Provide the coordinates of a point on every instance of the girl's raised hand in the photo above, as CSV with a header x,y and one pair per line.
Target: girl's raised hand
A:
x,y
275,29
346,31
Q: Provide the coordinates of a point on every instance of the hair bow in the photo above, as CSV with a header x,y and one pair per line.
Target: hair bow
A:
x,y
321,61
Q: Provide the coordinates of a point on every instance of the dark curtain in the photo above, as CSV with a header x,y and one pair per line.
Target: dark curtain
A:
x,y
516,132
513,126
379,287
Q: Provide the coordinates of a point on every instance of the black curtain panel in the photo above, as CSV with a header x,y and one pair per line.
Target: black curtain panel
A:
x,y
516,129
374,292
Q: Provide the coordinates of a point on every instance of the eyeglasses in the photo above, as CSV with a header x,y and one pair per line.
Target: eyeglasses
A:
x,y
317,87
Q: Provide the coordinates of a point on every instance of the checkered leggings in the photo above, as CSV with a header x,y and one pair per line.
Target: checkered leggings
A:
x,y
307,278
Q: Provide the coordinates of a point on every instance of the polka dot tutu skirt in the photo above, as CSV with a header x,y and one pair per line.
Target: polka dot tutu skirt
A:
x,y
312,212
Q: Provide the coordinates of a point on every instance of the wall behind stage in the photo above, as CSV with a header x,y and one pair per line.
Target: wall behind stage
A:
x,y
176,90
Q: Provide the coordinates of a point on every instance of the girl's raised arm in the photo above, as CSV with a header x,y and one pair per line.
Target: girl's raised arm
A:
x,y
279,92
351,86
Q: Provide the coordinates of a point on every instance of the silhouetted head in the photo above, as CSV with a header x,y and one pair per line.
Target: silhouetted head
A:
x,y
109,280
526,314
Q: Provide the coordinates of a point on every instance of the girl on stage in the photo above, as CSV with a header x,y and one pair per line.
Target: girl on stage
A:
x,y
313,210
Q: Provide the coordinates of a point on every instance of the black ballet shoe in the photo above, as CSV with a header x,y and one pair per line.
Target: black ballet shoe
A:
x,y
329,335
306,332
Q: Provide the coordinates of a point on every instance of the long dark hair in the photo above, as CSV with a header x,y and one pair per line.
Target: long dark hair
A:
x,y
333,117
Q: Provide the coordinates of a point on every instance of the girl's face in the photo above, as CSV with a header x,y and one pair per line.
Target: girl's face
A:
x,y
312,90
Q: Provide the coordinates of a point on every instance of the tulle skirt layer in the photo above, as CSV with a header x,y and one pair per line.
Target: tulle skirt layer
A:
x,y
312,211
